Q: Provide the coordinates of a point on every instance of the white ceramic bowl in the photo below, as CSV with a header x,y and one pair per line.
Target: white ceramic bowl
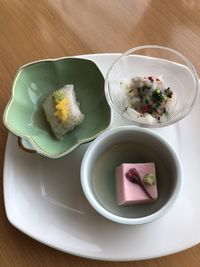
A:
x,y
129,144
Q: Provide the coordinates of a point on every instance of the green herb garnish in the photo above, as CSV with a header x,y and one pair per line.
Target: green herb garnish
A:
x,y
150,179
58,96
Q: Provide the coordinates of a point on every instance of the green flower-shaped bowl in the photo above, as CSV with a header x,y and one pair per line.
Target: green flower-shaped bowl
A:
x,y
24,116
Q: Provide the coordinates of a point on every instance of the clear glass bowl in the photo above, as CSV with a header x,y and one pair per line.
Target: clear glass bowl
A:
x,y
176,71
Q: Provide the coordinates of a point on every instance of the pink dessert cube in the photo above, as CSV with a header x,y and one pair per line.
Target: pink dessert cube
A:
x,y
131,193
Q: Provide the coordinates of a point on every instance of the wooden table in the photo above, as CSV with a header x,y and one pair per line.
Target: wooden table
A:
x,y
32,30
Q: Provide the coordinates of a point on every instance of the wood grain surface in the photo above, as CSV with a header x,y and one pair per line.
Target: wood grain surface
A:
x,y
32,30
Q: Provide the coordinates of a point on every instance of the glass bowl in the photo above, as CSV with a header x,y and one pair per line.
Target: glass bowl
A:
x,y
174,69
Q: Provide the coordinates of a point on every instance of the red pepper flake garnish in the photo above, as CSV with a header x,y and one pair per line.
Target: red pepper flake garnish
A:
x,y
144,109
150,78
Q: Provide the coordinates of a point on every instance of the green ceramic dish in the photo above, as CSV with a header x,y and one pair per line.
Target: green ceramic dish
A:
x,y
24,116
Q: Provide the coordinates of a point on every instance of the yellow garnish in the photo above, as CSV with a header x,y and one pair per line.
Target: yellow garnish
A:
x,y
62,109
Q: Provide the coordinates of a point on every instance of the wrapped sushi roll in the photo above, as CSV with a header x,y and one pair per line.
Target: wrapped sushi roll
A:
x,y
62,111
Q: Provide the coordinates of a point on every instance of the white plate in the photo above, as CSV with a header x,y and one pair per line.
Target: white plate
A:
x,y
43,198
